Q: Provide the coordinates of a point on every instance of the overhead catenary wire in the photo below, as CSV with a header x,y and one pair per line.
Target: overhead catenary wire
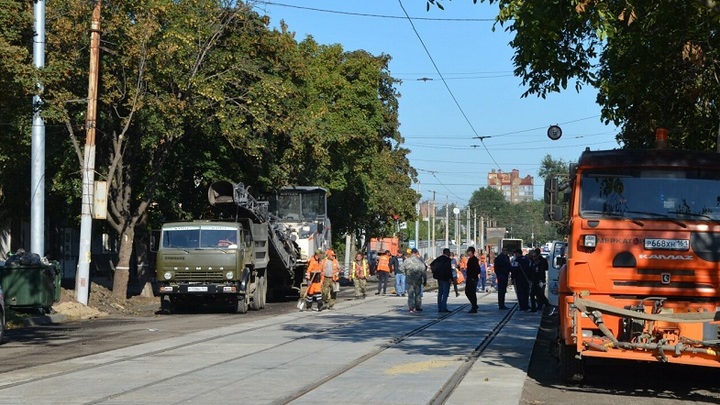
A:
x,y
447,87
321,10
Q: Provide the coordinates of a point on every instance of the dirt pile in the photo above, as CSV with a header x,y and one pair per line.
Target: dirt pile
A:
x,y
101,304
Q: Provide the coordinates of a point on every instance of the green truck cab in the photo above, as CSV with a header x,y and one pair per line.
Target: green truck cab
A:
x,y
213,262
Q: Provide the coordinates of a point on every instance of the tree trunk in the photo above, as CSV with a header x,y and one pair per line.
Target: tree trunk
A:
x,y
122,269
144,266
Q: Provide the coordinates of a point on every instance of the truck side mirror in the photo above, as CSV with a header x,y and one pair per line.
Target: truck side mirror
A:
x,y
551,190
248,240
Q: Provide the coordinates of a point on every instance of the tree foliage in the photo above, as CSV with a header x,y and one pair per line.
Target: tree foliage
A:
x,y
654,63
192,92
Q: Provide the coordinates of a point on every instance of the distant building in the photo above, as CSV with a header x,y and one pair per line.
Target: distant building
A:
x,y
428,208
514,188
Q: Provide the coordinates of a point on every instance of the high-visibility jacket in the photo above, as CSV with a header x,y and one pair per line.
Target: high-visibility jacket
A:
x,y
460,278
384,263
359,271
463,263
335,268
315,277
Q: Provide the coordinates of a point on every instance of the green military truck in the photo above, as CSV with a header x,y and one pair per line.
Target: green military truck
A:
x,y
236,260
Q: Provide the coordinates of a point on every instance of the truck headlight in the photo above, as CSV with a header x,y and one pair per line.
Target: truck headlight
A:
x,y
168,275
229,275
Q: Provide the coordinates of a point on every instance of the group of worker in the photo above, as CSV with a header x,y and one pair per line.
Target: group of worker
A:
x,y
323,276
323,281
528,275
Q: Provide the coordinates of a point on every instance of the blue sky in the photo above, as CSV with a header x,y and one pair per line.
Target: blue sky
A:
x,y
440,121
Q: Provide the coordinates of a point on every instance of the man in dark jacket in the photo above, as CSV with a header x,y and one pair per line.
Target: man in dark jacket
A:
x,y
501,267
442,272
520,270
471,282
538,275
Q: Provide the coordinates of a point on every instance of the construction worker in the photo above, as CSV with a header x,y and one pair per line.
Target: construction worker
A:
x,y
359,274
383,272
462,265
331,275
314,276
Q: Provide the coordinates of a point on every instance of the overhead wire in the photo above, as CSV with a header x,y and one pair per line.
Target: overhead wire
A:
x,y
447,87
320,10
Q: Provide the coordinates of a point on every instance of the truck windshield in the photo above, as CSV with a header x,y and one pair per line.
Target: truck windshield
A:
x,y
299,204
687,194
196,237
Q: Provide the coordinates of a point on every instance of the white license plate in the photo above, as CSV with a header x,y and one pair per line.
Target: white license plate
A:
x,y
197,289
667,244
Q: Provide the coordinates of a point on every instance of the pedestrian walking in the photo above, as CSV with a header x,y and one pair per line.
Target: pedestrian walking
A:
x,y
482,277
415,271
315,278
454,266
473,272
442,272
399,275
538,274
501,268
520,271
359,274
383,271
331,276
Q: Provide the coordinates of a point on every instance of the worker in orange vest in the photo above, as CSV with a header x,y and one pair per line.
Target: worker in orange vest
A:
x,y
383,272
462,264
314,276
331,275
359,275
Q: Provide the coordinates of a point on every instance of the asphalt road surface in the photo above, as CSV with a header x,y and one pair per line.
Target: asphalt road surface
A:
x,y
607,382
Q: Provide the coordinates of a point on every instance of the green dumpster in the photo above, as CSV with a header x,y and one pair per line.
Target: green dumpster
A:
x,y
31,287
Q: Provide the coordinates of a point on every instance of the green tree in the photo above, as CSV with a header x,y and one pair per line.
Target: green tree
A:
x,y
553,167
654,63
169,68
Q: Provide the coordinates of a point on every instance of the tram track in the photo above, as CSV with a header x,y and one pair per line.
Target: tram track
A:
x,y
344,322
185,346
446,389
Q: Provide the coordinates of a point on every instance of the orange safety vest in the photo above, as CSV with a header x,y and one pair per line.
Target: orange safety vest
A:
x,y
384,263
315,276
463,263
359,271
460,277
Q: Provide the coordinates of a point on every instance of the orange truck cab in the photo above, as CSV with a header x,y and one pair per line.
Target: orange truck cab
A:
x,y
642,277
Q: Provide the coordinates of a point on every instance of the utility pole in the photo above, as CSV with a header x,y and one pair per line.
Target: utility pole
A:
x,y
475,232
467,226
417,220
434,214
82,279
447,221
37,147
482,232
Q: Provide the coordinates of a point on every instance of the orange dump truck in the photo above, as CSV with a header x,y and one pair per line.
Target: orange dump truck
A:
x,y
391,244
642,277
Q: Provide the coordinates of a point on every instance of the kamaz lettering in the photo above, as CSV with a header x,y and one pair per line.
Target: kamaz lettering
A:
x,y
616,240
665,257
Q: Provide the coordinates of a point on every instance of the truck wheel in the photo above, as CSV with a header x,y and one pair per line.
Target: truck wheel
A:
x,y
571,368
255,300
166,305
263,292
242,304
